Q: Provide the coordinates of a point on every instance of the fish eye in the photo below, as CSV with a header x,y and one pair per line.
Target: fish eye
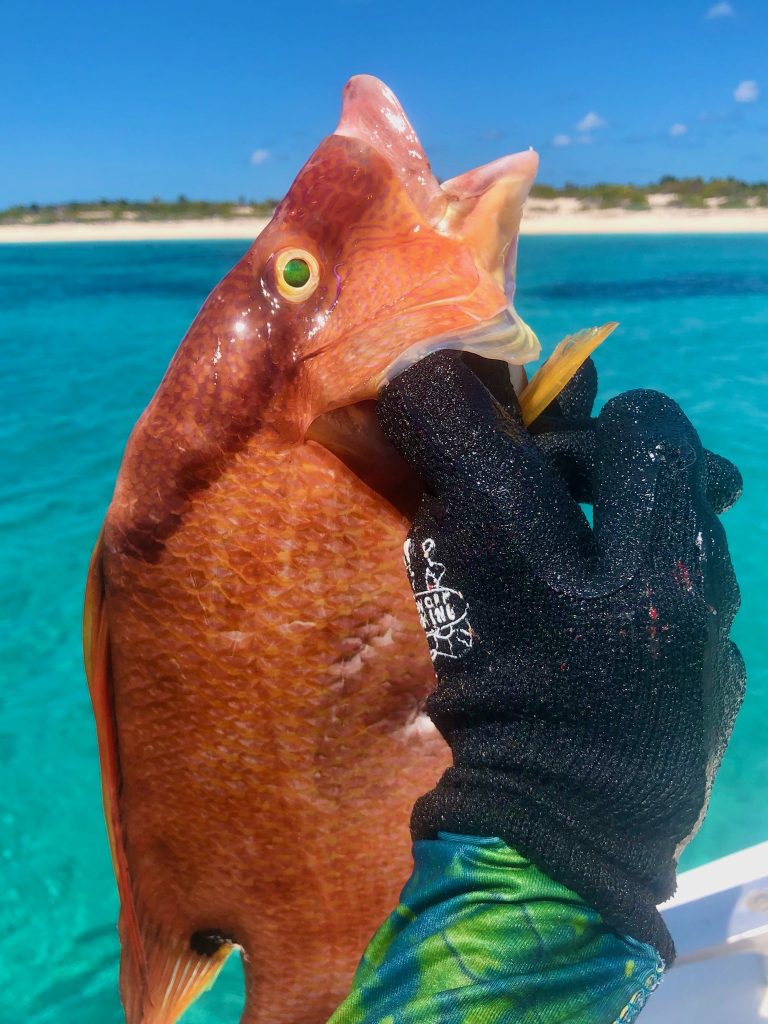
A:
x,y
297,274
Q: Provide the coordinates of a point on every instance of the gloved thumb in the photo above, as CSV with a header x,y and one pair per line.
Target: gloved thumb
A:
x,y
445,423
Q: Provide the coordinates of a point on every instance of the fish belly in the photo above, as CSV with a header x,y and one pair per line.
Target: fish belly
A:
x,y
268,672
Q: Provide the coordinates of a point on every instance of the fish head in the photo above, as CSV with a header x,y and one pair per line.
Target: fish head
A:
x,y
369,263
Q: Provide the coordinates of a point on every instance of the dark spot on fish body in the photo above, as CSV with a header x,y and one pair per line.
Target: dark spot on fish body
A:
x,y
145,538
362,183
255,386
207,942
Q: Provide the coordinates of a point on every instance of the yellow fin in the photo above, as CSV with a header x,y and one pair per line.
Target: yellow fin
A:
x,y
175,977
550,379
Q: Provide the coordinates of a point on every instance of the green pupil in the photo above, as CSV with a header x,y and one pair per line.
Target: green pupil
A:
x,y
296,273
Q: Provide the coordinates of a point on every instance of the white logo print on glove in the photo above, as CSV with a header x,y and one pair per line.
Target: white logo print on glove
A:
x,y
443,611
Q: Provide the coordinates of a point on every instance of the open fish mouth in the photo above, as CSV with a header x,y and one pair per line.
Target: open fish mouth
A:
x,y
353,435
482,210
495,350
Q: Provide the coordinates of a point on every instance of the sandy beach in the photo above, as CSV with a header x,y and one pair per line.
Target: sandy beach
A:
x,y
542,217
565,217
133,230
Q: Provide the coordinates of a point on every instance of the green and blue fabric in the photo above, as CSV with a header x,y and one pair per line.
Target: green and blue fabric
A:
x,y
481,936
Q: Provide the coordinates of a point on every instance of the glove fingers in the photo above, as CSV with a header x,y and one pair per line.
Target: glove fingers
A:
x,y
574,402
649,487
724,482
570,449
448,427
441,419
571,453
495,375
576,399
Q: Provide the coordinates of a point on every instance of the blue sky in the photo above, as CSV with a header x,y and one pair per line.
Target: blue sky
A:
x,y
221,99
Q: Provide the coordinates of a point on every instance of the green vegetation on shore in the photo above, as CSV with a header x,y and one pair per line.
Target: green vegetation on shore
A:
x,y
728,193
124,209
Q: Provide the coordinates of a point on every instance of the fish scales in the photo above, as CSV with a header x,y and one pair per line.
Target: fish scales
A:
x,y
285,761
254,658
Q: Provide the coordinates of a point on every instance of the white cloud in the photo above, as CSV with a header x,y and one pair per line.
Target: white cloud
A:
x,y
258,156
678,129
746,91
590,121
561,140
724,10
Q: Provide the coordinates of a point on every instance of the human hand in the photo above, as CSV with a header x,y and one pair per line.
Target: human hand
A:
x,y
587,685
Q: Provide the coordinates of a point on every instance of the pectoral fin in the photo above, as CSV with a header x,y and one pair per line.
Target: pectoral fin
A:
x,y
177,975
550,379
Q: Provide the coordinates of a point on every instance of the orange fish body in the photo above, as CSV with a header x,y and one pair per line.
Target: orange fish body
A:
x,y
254,657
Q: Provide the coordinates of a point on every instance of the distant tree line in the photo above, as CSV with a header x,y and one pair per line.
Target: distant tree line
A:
x,y
181,208
688,192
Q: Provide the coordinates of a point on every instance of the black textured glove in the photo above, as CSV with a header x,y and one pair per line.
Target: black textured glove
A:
x,y
586,683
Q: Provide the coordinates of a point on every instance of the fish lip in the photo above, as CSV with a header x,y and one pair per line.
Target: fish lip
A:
x,y
505,337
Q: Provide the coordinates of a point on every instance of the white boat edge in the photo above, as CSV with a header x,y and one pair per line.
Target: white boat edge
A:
x,y
725,873
719,921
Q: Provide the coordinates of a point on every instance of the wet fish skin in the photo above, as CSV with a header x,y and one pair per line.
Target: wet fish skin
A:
x,y
255,659
268,727
252,363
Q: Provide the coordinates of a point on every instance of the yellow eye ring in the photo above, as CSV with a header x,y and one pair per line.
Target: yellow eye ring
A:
x,y
297,274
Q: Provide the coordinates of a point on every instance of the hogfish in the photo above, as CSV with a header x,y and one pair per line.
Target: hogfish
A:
x,y
255,661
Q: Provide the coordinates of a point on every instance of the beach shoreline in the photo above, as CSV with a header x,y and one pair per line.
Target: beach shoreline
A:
x,y
541,218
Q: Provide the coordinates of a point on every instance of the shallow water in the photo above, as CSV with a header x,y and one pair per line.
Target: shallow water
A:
x,y
86,332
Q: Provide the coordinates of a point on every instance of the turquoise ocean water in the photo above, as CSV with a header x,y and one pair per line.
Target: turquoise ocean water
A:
x,y
86,332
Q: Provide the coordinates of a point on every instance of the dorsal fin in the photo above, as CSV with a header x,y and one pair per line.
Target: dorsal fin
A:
x,y
98,669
